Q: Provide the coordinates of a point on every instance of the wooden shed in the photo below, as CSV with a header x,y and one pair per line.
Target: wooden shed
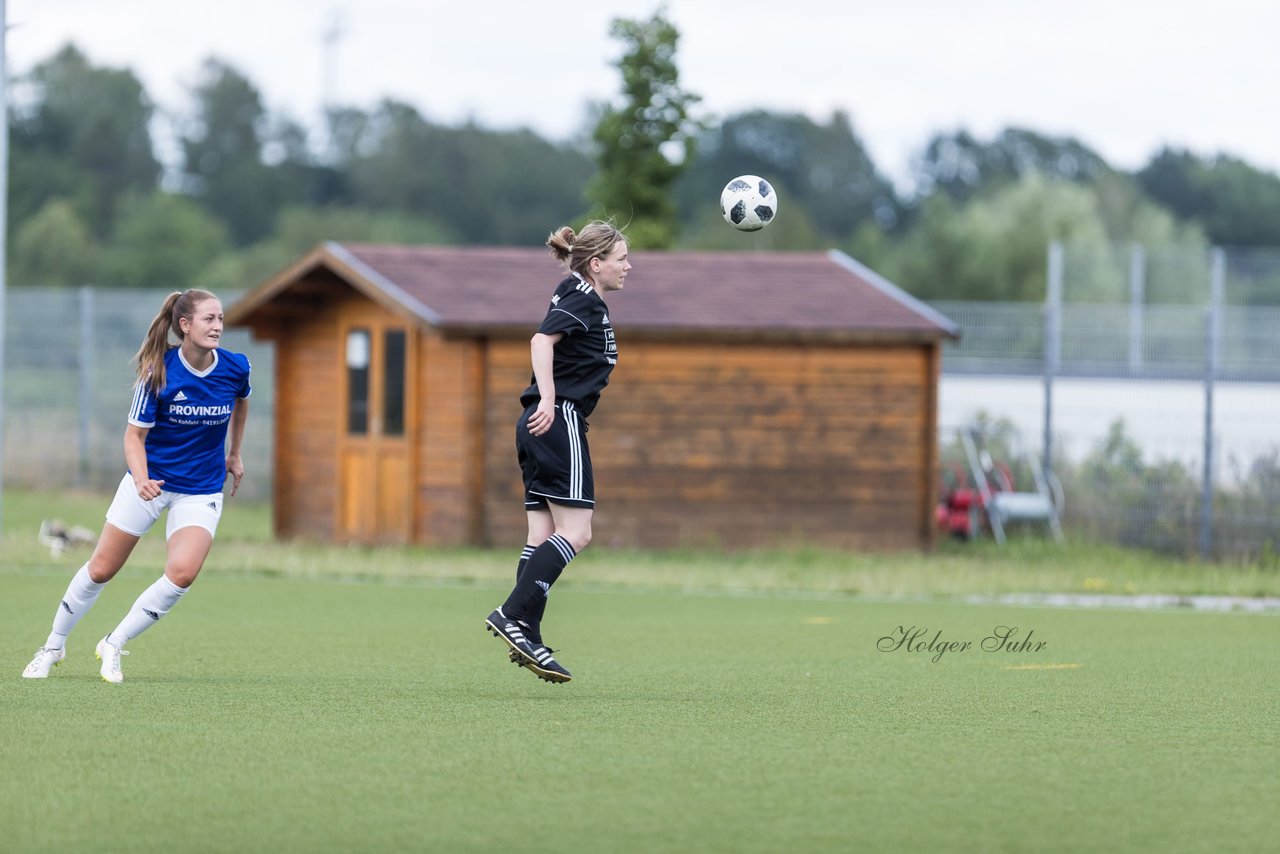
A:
x,y
761,398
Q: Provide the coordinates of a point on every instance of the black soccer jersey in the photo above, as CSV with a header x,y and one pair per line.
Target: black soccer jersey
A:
x,y
586,354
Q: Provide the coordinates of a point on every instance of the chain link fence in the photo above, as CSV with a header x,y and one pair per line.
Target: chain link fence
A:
x,y
1150,379
69,381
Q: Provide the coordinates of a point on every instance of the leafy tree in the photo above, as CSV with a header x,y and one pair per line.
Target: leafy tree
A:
x,y
80,133
644,144
476,183
301,176
1130,216
299,229
822,169
1234,202
162,241
964,167
383,154
54,247
223,154
708,230
994,248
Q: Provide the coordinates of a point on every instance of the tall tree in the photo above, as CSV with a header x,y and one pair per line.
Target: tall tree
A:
x,y
223,154
823,169
963,166
53,248
644,144
162,240
994,248
80,133
476,183
1233,201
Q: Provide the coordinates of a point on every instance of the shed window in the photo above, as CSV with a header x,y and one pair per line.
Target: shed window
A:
x,y
358,382
393,383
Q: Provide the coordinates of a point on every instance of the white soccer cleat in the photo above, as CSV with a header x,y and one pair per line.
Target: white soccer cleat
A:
x,y
45,660
109,655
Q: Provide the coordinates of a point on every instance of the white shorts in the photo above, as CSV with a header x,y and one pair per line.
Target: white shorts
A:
x,y
134,516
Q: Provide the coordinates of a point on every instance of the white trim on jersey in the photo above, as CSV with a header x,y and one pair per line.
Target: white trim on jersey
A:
x,y
140,394
193,371
574,316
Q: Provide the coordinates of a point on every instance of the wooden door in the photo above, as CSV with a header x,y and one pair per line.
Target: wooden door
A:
x,y
374,455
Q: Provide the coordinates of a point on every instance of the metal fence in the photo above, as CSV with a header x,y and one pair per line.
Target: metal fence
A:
x,y
1152,379
68,384
1178,347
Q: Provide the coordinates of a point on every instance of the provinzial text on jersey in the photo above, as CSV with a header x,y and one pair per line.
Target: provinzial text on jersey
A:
x,y
199,411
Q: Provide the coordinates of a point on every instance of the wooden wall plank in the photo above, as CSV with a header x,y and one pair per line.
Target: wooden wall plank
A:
x,y
743,444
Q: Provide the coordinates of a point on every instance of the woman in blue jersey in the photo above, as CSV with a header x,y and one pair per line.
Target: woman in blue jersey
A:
x,y
573,353
183,438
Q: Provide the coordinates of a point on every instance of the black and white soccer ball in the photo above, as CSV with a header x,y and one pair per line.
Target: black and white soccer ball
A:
x,y
748,203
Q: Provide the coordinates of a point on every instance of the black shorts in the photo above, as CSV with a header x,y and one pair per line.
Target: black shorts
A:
x,y
557,464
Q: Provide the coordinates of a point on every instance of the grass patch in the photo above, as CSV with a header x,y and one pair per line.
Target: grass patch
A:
x,y
320,716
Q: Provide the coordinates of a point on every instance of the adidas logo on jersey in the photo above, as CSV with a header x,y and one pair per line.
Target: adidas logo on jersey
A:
x,y
179,396
606,321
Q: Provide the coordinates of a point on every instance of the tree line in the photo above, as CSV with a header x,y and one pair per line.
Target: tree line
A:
x,y
243,191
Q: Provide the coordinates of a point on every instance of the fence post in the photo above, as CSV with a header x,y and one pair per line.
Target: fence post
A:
x,y
1137,288
1052,343
1213,336
4,223
85,397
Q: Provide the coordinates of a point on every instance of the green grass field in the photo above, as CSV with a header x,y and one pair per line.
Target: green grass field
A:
x,y
292,710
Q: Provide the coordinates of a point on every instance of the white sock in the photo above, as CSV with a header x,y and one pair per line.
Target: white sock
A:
x,y
81,593
153,604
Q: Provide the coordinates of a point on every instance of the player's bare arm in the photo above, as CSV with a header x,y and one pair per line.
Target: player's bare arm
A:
x,y
542,351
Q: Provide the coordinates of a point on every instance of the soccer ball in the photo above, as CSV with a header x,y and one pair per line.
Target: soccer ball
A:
x,y
748,203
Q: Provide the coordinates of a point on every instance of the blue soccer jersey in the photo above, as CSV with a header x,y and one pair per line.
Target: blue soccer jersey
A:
x,y
187,421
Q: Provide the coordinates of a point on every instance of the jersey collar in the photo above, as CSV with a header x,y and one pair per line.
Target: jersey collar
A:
x,y
192,370
582,279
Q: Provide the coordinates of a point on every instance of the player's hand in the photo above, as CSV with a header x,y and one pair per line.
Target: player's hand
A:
x,y
235,468
149,489
542,418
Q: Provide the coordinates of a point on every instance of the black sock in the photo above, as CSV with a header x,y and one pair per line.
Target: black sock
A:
x,y
532,630
527,601
524,558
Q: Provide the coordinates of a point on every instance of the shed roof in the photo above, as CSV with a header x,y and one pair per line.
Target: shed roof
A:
x,y
491,290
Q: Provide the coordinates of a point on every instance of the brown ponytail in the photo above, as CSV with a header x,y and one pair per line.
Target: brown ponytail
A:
x,y
596,240
150,356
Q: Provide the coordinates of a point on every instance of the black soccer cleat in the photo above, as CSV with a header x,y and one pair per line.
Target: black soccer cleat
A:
x,y
511,631
545,667
537,658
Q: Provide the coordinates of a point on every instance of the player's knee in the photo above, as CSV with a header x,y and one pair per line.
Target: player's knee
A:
x,y
101,572
579,538
182,576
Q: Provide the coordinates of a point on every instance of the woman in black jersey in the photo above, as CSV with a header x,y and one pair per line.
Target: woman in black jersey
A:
x,y
573,352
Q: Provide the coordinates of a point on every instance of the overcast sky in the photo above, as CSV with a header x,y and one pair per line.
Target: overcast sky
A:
x,y
1123,76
